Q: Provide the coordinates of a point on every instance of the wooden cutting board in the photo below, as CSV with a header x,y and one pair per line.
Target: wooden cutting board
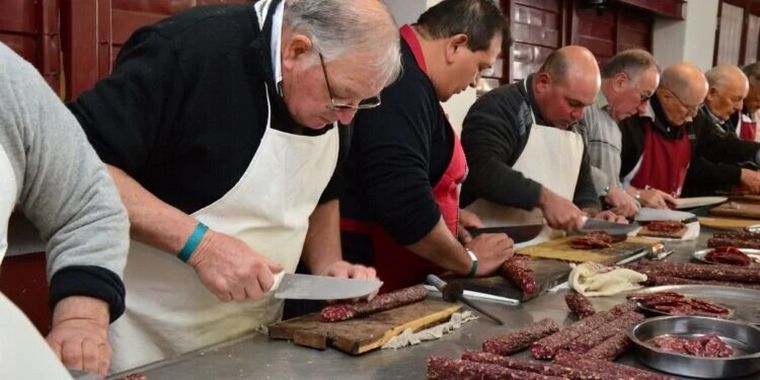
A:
x,y
645,231
738,209
727,223
560,249
359,335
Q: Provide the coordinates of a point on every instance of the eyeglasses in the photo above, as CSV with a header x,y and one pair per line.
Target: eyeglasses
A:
x,y
337,106
691,109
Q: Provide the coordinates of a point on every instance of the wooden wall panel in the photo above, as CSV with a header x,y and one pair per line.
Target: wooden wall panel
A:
x,y
753,39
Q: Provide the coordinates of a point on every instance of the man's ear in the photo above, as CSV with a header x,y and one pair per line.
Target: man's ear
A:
x,y
542,82
620,80
295,48
453,44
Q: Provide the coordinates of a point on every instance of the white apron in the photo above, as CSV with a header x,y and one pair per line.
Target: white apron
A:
x,y
552,157
168,310
24,353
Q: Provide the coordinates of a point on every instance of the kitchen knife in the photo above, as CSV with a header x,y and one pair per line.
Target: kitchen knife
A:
x,y
518,234
609,227
308,287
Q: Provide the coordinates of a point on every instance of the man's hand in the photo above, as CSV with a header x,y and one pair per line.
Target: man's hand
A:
x,y
466,221
559,212
492,250
750,180
344,269
609,216
79,336
656,198
231,270
622,203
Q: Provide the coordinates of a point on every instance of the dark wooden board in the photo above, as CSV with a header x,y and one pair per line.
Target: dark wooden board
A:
x,y
738,209
359,335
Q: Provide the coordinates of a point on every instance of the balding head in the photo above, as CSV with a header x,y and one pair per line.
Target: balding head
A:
x,y
752,102
566,84
728,88
681,92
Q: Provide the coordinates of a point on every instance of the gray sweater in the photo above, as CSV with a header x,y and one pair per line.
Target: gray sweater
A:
x,y
62,187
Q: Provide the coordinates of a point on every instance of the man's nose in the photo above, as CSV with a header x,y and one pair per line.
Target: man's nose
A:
x,y
345,116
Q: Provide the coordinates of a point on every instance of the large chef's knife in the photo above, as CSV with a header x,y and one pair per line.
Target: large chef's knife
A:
x,y
608,227
308,287
518,234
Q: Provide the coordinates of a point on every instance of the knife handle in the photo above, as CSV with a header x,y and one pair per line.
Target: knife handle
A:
x,y
436,281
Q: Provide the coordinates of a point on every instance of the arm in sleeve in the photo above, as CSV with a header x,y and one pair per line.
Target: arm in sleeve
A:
x,y
67,193
392,146
491,139
703,172
717,145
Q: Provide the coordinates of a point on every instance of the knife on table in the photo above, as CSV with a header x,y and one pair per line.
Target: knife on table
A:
x,y
309,287
455,292
518,234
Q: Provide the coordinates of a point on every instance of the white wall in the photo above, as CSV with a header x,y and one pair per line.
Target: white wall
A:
x,y
406,11
692,39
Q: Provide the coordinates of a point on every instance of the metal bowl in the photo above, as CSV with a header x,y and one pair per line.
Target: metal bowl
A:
x,y
752,228
744,338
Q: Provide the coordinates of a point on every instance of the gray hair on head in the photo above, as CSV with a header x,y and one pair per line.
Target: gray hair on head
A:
x,y
752,71
718,76
632,62
340,27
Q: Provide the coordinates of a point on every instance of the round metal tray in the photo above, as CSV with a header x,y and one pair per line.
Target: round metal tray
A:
x,y
753,254
745,303
744,338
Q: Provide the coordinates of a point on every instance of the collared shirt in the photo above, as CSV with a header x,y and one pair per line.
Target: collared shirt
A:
x,y
276,45
603,140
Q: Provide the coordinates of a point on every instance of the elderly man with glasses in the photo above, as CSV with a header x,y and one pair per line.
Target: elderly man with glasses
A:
x,y
659,146
219,128
400,204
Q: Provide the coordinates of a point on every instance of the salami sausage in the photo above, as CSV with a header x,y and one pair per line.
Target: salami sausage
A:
x,y
620,371
610,348
717,242
659,279
440,368
535,366
517,269
520,339
595,337
719,272
387,301
666,226
579,304
593,240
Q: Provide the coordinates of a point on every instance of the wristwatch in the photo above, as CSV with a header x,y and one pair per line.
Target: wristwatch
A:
x,y
474,259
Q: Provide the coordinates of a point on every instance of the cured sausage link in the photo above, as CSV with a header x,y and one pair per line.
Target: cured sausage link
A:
x,y
387,301
597,336
521,339
660,279
535,366
580,305
620,371
720,272
517,269
440,368
610,348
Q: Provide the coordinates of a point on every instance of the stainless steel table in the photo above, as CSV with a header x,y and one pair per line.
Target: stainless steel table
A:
x,y
257,357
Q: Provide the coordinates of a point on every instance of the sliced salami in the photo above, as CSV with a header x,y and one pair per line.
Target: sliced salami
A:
x,y
535,366
387,301
593,240
666,226
620,371
729,256
441,368
580,305
521,339
517,269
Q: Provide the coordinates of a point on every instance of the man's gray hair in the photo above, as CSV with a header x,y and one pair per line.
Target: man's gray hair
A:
x,y
752,71
632,62
718,76
340,27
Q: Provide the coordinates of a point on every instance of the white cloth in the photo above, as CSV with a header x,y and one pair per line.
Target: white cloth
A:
x,y
593,279
551,157
410,338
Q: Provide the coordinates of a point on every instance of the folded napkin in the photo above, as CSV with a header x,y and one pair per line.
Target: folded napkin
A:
x,y
592,279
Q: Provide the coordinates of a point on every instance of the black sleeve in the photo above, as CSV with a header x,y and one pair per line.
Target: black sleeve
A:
x,y
632,144
391,144
91,281
703,172
332,191
125,114
717,145
585,191
491,140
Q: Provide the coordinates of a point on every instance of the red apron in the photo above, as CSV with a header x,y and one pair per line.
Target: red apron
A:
x,y
747,128
396,266
664,162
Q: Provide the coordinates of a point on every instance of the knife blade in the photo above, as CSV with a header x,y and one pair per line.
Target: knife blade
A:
x,y
518,234
609,227
308,287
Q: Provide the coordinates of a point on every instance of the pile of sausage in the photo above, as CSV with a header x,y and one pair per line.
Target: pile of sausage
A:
x,y
387,301
662,273
593,240
678,304
735,239
707,346
729,256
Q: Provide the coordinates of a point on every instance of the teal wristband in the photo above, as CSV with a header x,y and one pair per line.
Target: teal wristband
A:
x,y
192,242
474,266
